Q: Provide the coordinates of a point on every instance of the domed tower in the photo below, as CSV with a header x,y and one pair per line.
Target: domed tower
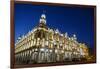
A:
x,y
42,29
42,22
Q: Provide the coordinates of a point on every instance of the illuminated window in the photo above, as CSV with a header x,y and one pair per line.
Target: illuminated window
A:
x,y
46,43
34,42
31,43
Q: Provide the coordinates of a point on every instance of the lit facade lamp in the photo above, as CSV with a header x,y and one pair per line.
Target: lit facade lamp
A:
x,y
50,51
56,50
60,44
42,49
36,49
62,51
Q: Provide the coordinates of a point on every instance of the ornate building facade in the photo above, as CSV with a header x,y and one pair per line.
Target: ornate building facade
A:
x,y
44,45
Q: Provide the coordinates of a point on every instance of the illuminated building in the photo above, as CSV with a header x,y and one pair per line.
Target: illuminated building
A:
x,y
43,44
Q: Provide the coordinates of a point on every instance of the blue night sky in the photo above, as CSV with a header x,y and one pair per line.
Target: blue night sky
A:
x,y
73,20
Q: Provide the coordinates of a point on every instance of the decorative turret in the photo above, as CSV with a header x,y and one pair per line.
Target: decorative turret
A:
x,y
42,22
74,36
43,19
66,34
57,31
